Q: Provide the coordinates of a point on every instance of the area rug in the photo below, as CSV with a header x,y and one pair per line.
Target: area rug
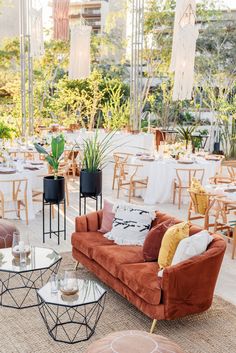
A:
x,y
23,331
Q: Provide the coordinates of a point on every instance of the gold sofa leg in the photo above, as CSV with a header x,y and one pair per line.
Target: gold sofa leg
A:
x,y
76,266
153,325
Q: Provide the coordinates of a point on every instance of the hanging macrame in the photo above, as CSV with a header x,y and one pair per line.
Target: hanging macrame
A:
x,y
79,65
184,48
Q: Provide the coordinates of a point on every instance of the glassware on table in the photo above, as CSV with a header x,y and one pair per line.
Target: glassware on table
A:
x,y
15,244
69,285
54,283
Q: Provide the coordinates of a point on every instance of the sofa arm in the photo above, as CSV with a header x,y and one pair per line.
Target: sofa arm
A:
x,y
89,223
188,287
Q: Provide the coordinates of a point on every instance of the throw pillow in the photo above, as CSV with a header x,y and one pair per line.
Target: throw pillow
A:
x,y
152,243
200,196
170,242
107,217
130,225
192,246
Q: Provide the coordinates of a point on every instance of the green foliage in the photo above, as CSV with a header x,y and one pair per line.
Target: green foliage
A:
x,y
6,132
57,149
116,108
186,133
95,152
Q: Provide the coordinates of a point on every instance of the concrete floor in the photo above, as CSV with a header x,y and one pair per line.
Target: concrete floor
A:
x,y
226,285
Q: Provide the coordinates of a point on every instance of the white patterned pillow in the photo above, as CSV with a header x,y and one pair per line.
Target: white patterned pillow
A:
x,y
130,225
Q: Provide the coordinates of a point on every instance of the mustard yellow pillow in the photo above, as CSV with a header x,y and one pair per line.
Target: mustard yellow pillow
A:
x,y
170,241
201,198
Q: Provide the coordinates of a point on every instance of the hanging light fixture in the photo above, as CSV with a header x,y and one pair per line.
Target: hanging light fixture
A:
x,y
79,63
184,48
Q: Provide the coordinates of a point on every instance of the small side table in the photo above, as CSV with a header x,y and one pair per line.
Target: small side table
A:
x,y
18,282
58,231
85,197
72,319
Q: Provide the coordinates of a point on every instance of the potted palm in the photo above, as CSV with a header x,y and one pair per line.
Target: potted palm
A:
x,y
53,185
94,159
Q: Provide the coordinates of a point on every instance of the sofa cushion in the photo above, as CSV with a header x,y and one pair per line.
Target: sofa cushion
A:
x,y
111,257
86,242
142,279
152,243
170,241
107,217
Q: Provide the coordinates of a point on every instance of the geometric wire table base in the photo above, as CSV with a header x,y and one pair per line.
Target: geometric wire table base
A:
x,y
71,324
18,289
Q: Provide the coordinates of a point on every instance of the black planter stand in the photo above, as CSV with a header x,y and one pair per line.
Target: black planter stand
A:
x,y
84,198
54,194
57,232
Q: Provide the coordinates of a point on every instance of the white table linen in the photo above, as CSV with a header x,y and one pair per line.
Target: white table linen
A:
x,y
162,173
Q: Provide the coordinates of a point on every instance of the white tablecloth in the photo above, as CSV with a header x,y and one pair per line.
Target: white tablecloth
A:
x,y
161,175
124,142
35,181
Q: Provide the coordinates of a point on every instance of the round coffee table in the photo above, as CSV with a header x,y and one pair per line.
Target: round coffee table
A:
x,y
18,282
72,319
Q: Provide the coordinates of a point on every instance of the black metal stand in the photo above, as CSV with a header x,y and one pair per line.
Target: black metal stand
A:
x,y
58,231
93,197
71,324
18,289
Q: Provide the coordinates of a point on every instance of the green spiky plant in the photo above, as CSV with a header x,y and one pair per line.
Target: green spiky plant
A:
x,y
57,149
186,134
95,152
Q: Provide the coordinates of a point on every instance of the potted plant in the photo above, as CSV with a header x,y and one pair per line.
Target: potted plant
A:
x,y
53,185
94,159
186,134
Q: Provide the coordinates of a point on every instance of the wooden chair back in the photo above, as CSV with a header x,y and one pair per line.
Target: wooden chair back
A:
x,y
185,176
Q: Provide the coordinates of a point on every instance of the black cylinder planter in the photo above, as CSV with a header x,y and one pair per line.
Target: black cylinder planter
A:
x,y
90,183
54,189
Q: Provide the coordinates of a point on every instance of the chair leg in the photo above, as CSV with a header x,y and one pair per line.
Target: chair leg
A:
x,y
153,325
18,209
130,191
180,197
26,212
118,190
114,178
174,194
234,243
67,194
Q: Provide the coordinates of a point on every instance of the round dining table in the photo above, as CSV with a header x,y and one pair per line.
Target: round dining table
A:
x,y
161,174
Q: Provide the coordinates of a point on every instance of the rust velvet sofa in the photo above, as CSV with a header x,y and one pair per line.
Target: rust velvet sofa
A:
x,y
186,288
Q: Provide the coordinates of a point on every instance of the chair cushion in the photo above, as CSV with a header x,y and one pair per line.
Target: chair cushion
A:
x,y
170,242
142,280
152,243
86,242
111,257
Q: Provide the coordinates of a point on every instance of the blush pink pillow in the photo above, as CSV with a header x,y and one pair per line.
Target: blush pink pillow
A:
x,y
107,217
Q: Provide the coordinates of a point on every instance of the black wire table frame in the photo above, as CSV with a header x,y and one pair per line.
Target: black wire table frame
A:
x,y
84,197
71,324
29,281
51,231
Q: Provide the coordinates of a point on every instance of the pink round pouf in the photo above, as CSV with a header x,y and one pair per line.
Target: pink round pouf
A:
x,y
133,342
